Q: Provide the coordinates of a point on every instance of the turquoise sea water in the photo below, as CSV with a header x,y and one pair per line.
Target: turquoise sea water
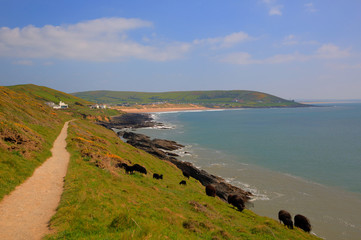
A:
x,y
305,159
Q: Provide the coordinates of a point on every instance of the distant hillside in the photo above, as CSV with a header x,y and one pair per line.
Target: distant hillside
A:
x,y
102,201
28,128
226,99
77,106
47,94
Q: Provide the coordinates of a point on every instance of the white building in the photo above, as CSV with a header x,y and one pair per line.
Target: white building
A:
x,y
61,105
99,106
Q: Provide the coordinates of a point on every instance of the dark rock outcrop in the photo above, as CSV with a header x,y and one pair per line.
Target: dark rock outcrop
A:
x,y
223,189
166,144
130,120
159,148
153,147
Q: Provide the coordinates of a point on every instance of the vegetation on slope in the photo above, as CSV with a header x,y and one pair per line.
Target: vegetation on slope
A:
x,y
77,107
101,201
227,99
28,128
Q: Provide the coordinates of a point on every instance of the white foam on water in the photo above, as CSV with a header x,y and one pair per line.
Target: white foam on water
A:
x,y
257,195
222,164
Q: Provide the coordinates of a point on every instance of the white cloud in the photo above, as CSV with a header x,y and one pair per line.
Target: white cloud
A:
x,y
326,51
224,42
275,10
290,40
241,58
103,39
48,63
310,7
330,51
23,62
349,66
284,58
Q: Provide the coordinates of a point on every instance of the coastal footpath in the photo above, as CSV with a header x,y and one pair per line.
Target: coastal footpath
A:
x,y
25,213
102,199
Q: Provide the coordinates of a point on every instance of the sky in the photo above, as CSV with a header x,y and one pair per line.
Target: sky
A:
x,y
299,49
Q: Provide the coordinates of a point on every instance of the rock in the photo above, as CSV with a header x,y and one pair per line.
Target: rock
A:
x,y
223,189
166,144
130,120
156,147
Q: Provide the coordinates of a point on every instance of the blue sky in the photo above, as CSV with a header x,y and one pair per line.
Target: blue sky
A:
x,y
302,49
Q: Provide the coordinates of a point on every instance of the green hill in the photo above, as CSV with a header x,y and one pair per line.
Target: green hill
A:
x,y
101,201
77,106
47,94
29,127
227,99
27,131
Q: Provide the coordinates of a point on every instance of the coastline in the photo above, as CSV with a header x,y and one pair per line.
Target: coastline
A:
x,y
333,212
163,108
164,149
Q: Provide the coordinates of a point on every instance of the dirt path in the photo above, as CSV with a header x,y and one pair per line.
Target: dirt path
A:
x,y
25,213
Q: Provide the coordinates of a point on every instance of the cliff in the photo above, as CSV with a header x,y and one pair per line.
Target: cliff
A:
x,y
102,201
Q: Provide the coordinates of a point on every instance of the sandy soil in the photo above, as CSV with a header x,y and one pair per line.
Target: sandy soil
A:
x,y
25,213
156,108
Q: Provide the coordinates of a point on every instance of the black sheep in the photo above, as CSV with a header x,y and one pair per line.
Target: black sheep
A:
x,y
210,190
135,167
231,198
157,176
236,201
303,223
138,168
286,218
186,174
128,169
183,182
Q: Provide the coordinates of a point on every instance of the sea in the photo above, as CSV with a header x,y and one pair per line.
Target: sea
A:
x,y
303,160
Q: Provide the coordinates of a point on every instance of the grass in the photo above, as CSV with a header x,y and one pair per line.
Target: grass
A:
x,y
226,99
100,201
28,128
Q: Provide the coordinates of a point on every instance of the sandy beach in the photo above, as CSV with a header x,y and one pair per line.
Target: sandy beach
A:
x,y
161,108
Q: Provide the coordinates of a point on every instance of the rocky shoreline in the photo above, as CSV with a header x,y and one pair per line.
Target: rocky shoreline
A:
x,y
162,149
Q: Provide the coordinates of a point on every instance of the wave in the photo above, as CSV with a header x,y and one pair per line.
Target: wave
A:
x,y
257,195
192,111
222,164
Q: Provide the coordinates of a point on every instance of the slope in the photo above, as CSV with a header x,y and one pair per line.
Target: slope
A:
x,y
101,201
47,94
27,130
227,99
28,127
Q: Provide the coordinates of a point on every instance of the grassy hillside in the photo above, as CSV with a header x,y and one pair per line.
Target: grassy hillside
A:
x,y
100,201
77,106
47,94
28,128
103,202
229,99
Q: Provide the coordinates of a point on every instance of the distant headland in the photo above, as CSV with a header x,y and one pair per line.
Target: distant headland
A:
x,y
186,100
